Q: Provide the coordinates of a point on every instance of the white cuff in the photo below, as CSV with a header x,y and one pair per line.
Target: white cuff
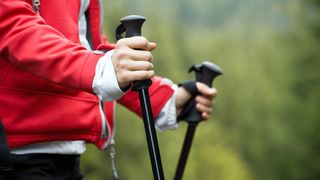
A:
x,y
167,118
105,84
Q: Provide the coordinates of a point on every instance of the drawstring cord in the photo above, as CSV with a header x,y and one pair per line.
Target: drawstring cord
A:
x,y
112,153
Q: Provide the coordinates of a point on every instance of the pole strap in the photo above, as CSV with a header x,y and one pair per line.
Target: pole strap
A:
x,y
189,112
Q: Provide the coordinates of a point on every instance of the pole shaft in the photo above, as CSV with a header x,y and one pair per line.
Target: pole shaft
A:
x,y
185,150
151,135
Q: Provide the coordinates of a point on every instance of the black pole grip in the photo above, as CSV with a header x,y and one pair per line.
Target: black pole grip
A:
x,y
205,72
131,26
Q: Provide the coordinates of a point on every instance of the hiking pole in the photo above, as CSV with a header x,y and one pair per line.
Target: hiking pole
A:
x,y
205,73
131,26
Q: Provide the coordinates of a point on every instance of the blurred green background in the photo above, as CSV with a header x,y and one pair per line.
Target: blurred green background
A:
x,y
266,119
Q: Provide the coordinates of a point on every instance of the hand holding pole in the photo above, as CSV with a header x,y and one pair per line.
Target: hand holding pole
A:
x,y
131,26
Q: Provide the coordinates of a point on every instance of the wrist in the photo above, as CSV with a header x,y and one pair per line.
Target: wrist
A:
x,y
105,84
182,97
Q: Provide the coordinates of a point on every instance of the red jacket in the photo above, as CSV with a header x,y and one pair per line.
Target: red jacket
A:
x,y
46,75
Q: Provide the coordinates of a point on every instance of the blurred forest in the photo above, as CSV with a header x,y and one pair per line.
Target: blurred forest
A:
x,y
266,120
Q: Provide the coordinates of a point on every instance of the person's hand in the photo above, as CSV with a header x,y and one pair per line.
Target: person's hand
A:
x,y
132,60
204,101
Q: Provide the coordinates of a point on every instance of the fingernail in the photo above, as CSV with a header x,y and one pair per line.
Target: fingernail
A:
x,y
211,91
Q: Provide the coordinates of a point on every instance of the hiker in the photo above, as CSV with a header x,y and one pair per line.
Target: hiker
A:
x,y
60,79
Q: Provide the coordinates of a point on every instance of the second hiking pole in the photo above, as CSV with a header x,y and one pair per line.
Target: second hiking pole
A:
x,y
205,73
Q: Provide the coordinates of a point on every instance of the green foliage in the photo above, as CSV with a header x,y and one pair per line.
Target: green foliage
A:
x,y
266,119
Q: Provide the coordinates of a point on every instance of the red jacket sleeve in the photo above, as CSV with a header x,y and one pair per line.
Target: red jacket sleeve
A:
x,y
27,42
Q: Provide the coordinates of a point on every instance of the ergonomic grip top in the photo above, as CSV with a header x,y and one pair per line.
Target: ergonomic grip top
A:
x,y
206,72
131,25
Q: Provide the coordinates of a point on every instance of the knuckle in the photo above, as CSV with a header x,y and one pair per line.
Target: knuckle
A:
x,y
121,53
198,99
144,41
199,107
145,75
148,74
123,64
121,42
149,66
152,73
148,56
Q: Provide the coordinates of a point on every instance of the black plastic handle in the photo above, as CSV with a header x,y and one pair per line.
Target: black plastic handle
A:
x,y
131,26
205,72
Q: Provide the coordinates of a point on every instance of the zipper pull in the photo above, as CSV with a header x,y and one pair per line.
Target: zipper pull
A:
x,y
36,5
112,153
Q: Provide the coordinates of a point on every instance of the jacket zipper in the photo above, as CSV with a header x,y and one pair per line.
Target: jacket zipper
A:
x,y
105,128
36,5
